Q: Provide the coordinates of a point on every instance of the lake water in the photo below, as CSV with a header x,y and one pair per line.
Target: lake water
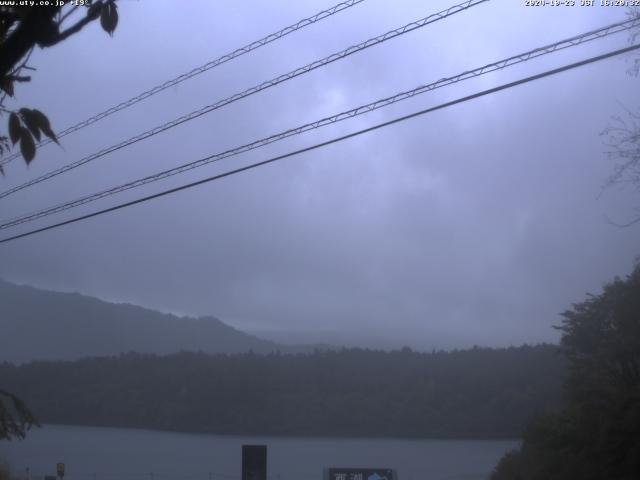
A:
x,y
116,453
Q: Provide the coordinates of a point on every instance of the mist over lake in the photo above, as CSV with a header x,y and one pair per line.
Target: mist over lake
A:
x,y
113,453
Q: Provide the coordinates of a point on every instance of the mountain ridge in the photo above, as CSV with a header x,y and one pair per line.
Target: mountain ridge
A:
x,y
39,324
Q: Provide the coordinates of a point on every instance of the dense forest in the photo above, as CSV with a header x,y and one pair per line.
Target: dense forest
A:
x,y
597,435
476,393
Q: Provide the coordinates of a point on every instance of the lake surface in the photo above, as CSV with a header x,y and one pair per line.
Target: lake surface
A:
x,y
93,453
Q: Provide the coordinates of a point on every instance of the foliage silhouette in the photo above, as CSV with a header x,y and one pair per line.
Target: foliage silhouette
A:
x,y
597,436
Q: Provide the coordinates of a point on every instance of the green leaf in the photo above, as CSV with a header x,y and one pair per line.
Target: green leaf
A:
x,y
109,17
7,86
15,129
43,124
27,146
30,121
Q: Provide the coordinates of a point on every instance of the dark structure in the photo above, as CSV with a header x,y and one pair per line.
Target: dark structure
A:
x,y
254,462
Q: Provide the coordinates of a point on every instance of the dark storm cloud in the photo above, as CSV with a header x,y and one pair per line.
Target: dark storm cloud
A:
x,y
475,224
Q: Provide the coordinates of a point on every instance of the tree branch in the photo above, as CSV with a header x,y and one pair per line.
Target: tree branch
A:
x,y
19,78
38,27
64,17
79,25
15,416
35,27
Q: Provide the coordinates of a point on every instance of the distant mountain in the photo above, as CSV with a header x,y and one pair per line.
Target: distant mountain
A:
x,y
40,324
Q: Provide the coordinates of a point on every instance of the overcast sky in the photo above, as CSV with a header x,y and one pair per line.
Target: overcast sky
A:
x,y
477,224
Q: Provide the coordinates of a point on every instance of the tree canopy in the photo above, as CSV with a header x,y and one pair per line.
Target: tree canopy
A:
x,y
475,393
598,435
23,28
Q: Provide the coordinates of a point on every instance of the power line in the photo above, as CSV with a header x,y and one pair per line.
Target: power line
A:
x,y
329,142
305,22
250,91
510,61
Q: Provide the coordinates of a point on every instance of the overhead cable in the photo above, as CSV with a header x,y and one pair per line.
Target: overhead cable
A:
x,y
384,102
328,142
250,91
305,22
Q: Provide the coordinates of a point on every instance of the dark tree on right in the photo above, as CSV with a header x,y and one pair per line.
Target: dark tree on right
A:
x,y
597,435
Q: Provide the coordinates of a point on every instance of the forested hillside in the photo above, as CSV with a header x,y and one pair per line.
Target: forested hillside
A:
x,y
476,393
40,324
